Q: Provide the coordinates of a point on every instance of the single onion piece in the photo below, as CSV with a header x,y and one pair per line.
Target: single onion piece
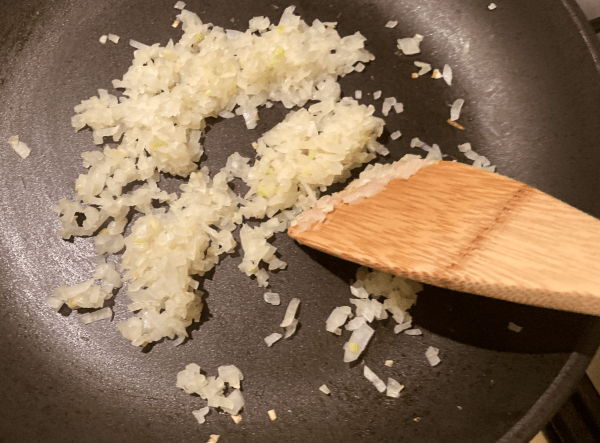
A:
x,y
355,323
236,418
410,45
402,327
377,95
455,109
272,414
389,363
272,298
230,375
391,24
373,378
290,312
274,337
291,329
393,388
447,74
200,414
415,331
100,314
464,147
179,5
325,390
395,135
358,342
337,318
214,438
432,356
514,327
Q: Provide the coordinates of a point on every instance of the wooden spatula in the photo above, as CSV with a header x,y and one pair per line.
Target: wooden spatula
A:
x,y
458,227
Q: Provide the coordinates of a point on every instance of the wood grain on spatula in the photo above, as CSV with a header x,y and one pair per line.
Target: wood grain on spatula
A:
x,y
463,228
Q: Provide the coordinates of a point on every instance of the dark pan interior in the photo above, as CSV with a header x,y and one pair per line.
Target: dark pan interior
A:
x,y
531,85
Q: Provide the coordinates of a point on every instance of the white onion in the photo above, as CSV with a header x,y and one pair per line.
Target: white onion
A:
x,y
337,318
18,146
410,46
455,109
272,298
391,24
100,314
425,67
200,414
377,95
290,312
115,39
325,390
413,332
358,342
393,388
274,337
373,378
395,135
447,74
514,327
291,329
432,356
231,375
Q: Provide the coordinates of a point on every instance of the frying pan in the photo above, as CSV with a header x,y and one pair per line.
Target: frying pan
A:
x,y
531,83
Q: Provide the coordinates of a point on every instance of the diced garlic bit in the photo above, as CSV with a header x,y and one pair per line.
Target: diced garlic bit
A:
x,y
325,390
391,24
179,5
395,135
274,337
272,298
236,418
114,38
377,95
447,74
338,318
200,414
272,414
514,327
389,363
373,378
214,438
18,146
432,356
456,108
393,388
410,46
103,39
290,312
100,314
358,94
159,121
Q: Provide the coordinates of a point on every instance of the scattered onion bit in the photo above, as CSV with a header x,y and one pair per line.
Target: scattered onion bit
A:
x,y
272,414
236,418
436,74
416,419
414,75
325,390
389,363
456,125
175,23
103,39
492,6
514,327
214,438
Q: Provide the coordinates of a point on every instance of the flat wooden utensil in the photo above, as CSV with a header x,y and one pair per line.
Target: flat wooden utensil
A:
x,y
458,227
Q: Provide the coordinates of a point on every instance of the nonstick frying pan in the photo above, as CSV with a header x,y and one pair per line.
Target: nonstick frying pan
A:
x,y
531,84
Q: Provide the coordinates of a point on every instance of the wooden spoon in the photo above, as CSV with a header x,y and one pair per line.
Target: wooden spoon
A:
x,y
458,227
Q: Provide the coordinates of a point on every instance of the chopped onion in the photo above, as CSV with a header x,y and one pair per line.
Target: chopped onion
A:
x,y
272,298
410,46
355,323
231,375
214,438
179,5
338,318
291,329
325,390
492,6
236,418
389,363
373,378
387,105
359,67
114,38
290,312
464,147
274,337
200,414
100,314
425,67
103,39
393,388
358,342
358,94
416,143
19,147
447,74
436,74
395,135
402,327
455,110
432,356
413,332
377,95
514,327
272,414
399,108
391,24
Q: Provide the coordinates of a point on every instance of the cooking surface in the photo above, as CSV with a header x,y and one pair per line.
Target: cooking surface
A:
x,y
61,381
